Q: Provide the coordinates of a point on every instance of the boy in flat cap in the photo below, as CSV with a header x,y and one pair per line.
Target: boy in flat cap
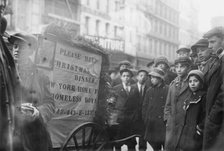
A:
x,y
134,105
178,92
122,65
200,49
123,93
152,109
214,80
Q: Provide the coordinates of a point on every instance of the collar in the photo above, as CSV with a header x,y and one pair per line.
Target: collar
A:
x,y
220,53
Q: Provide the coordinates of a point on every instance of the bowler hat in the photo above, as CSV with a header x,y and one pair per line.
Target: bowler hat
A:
x,y
126,70
198,73
156,72
184,50
161,60
184,60
200,43
216,31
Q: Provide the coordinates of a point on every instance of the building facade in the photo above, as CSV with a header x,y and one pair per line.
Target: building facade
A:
x,y
134,30
31,15
188,22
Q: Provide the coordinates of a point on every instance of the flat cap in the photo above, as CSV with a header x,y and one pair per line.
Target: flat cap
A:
x,y
183,49
126,70
125,62
200,43
216,31
184,60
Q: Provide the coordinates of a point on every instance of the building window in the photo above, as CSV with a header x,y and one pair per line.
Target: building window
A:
x,y
97,4
87,2
97,27
116,8
87,25
107,28
107,6
115,31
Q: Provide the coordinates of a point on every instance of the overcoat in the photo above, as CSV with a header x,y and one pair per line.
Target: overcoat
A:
x,y
152,113
214,123
190,139
174,113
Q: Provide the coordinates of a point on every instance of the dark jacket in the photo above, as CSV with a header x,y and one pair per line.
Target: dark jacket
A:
x,y
173,112
193,120
8,99
214,124
152,113
133,110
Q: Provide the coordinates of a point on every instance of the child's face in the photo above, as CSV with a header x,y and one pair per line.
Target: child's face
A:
x,y
125,77
142,77
194,83
155,80
181,69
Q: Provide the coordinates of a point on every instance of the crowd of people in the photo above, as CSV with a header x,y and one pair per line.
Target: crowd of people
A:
x,y
175,107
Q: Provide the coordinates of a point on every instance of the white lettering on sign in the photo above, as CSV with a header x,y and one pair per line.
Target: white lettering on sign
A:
x,y
108,44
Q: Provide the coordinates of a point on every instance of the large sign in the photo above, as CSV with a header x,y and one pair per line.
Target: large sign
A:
x,y
74,75
107,43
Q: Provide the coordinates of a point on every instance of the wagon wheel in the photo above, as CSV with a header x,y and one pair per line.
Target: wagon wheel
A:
x,y
88,136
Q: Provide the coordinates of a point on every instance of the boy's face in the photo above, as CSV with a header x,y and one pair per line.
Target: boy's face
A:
x,y
125,77
155,80
203,53
142,77
194,83
181,69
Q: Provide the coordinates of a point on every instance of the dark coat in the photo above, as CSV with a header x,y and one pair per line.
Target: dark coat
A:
x,y
214,124
133,110
194,117
152,113
8,86
124,128
173,112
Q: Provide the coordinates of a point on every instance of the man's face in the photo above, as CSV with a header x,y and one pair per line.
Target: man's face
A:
x,y
215,43
181,69
125,77
183,54
142,77
203,53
